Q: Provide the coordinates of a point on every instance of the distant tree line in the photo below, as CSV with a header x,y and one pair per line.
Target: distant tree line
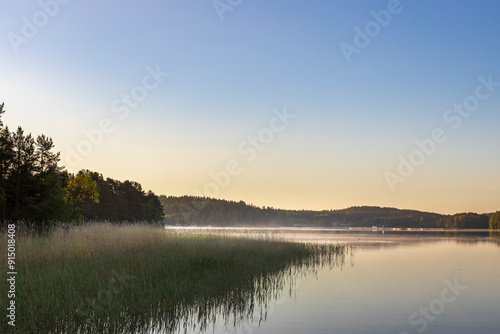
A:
x,y
190,210
464,220
36,190
495,221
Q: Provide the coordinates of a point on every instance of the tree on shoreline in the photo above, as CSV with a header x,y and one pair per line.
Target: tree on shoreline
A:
x,y
123,201
6,155
464,220
495,220
36,190
82,191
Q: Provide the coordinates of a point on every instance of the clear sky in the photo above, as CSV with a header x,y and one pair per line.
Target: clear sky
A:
x,y
283,103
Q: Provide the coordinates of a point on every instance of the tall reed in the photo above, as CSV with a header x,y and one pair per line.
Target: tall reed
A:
x,y
105,278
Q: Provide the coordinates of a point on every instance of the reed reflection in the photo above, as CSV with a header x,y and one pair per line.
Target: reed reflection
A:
x,y
240,302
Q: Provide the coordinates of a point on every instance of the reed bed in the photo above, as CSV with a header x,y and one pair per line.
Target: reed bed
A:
x,y
105,278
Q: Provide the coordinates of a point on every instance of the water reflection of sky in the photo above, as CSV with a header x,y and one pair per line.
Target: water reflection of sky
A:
x,y
388,284
366,238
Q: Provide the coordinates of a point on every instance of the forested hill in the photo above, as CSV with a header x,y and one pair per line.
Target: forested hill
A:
x,y
189,210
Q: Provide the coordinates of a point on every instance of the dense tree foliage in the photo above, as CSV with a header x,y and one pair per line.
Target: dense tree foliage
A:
x,y
205,211
121,201
494,222
464,220
82,191
35,189
208,211
31,188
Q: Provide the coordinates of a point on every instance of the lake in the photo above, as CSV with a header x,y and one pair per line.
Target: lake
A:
x,y
389,282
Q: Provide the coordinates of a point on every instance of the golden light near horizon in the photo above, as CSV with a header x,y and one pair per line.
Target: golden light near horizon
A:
x,y
368,127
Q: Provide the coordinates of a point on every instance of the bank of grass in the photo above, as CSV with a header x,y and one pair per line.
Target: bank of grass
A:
x,y
121,278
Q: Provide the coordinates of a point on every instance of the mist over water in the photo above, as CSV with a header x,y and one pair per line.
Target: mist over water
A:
x,y
391,282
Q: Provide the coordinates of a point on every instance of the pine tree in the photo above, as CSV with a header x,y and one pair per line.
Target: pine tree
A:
x,y
46,160
24,168
6,159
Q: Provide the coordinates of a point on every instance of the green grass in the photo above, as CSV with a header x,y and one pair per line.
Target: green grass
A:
x,y
107,278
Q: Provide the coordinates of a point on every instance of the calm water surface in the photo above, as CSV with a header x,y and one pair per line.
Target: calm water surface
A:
x,y
394,282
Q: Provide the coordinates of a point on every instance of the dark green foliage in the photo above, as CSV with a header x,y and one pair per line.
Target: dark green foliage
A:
x,y
494,222
35,189
49,203
189,210
152,209
204,211
22,179
30,180
122,201
464,220
45,158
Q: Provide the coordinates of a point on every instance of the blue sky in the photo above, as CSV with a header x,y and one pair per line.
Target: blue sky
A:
x,y
353,119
